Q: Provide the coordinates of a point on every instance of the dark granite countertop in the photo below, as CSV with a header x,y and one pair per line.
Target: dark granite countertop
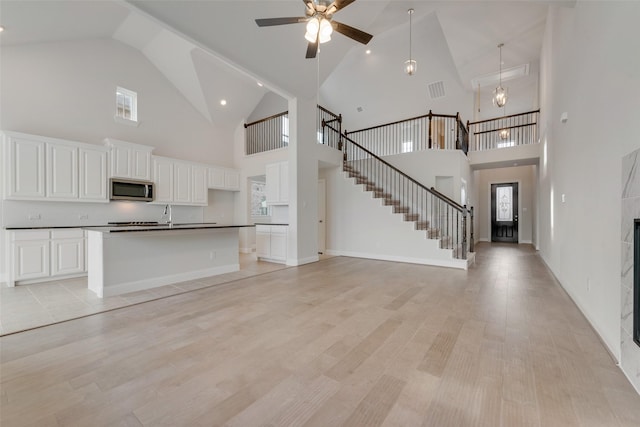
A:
x,y
271,223
163,227
51,227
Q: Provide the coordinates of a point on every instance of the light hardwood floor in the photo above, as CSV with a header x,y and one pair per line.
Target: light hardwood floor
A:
x,y
342,341
25,307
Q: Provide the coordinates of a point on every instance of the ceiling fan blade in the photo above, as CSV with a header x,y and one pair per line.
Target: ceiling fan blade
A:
x,y
312,50
269,22
341,4
353,33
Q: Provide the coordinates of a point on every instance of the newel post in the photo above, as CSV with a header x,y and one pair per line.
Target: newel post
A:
x,y
464,232
430,116
471,243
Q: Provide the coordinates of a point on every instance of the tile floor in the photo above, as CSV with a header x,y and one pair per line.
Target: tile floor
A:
x,y
30,306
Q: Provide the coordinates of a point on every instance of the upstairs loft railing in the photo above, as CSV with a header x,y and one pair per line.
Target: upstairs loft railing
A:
x,y
428,132
325,135
272,133
440,217
503,132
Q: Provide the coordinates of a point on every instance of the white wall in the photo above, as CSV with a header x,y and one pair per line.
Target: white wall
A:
x,y
270,104
67,90
589,69
525,176
378,84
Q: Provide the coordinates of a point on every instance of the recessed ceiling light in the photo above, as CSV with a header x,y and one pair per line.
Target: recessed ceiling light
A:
x,y
1,28
368,52
260,84
223,102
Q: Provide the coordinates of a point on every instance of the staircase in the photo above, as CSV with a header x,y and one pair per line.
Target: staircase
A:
x,y
420,224
434,215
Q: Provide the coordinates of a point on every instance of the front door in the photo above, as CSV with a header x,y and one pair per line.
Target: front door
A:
x,y
504,212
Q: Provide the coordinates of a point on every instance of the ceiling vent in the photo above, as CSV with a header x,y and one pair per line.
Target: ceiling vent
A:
x,y
436,90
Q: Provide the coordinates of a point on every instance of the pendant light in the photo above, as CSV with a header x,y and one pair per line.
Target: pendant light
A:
x,y
501,94
410,65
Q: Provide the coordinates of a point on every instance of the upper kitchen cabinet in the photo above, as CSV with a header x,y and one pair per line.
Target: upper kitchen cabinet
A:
x,y
179,182
277,177
220,178
25,169
48,169
129,160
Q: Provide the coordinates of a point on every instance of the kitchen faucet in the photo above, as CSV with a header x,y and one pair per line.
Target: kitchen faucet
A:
x,y
167,208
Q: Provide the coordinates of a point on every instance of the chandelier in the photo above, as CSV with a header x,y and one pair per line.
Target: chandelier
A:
x,y
501,94
410,65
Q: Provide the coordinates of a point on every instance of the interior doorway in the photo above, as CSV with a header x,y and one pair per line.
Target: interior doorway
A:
x,y
504,212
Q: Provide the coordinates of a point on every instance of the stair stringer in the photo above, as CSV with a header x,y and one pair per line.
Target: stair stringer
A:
x,y
365,227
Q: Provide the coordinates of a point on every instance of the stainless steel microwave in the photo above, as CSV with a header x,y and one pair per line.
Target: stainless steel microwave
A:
x,y
130,189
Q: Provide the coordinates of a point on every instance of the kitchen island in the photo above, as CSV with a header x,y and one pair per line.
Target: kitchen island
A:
x,y
134,258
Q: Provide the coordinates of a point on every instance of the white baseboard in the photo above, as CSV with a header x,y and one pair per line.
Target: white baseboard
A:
x,y
140,285
483,239
247,250
302,261
453,263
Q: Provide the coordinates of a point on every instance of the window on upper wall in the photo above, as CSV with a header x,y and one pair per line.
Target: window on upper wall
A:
x,y
126,105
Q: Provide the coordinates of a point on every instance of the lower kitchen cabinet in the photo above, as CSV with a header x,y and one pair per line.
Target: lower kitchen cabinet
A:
x,y
67,252
31,255
271,243
40,255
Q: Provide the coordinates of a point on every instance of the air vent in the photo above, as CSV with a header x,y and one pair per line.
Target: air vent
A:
x,y
436,90
359,109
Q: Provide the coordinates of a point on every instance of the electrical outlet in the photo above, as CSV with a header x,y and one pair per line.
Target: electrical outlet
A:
x,y
34,217
588,285
83,216
212,255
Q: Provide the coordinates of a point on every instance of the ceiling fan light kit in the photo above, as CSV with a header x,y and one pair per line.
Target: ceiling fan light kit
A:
x,y
320,24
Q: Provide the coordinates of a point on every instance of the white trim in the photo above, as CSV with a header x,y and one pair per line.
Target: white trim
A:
x,y
140,285
453,263
302,261
247,250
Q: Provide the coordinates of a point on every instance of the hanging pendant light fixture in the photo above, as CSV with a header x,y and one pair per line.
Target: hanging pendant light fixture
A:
x,y
501,94
410,65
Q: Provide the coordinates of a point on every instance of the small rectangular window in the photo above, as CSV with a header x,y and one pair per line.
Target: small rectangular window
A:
x,y
126,104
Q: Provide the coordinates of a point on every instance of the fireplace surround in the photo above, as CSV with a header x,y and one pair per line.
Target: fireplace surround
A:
x,y
636,281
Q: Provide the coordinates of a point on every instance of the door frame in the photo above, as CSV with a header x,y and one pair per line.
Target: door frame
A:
x,y
504,181
324,184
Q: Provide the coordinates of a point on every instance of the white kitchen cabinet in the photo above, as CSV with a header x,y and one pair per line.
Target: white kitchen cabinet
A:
x,y
93,174
179,182
129,160
271,243
31,255
216,178
25,166
62,171
223,178
182,183
232,180
199,185
43,254
277,179
49,169
163,179
67,252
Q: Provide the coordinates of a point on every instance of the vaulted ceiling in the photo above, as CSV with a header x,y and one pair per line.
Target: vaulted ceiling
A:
x,y
213,49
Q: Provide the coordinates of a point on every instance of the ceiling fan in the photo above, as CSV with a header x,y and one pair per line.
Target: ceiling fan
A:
x,y
320,24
